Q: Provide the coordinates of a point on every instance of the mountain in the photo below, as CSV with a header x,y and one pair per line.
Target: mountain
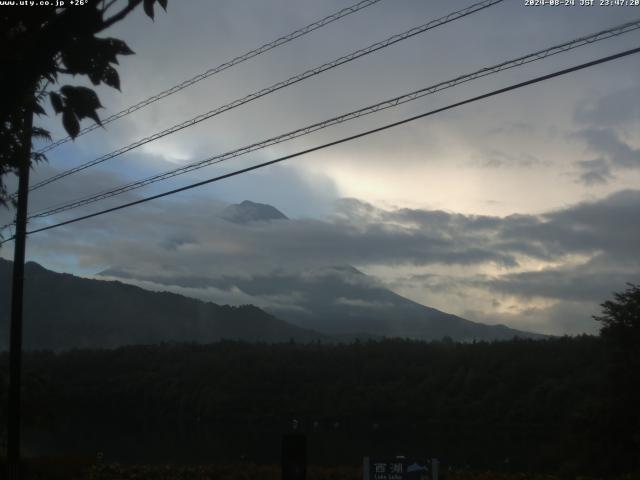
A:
x,y
330,303
63,311
345,302
247,212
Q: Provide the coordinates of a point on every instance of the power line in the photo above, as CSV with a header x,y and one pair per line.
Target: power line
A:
x,y
213,71
345,139
278,86
393,102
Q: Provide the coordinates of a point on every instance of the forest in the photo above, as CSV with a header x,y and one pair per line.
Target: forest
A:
x,y
545,406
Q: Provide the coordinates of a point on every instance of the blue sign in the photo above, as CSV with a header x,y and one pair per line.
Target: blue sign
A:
x,y
399,468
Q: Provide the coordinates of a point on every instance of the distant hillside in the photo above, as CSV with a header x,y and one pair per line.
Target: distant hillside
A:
x,y
64,311
345,304
345,301
340,300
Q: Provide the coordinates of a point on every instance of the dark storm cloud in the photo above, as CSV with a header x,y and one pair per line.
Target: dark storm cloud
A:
x,y
361,233
585,228
186,244
609,225
196,248
603,226
190,239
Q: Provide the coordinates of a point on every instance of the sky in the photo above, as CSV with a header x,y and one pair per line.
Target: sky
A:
x,y
521,209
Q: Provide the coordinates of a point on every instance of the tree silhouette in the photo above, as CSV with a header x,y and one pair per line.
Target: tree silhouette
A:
x,y
39,43
620,331
621,317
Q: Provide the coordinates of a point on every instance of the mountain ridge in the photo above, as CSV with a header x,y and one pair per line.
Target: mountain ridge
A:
x,y
248,211
343,302
331,303
64,311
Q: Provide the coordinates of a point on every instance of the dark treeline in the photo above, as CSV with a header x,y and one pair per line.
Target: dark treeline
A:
x,y
517,405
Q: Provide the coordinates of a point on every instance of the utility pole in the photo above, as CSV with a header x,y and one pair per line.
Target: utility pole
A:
x,y
15,348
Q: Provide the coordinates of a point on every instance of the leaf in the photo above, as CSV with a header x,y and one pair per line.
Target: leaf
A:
x,y
111,78
52,76
38,157
37,109
81,97
95,77
148,8
120,47
105,51
94,116
38,132
93,56
71,123
78,56
56,102
68,90
82,101
163,4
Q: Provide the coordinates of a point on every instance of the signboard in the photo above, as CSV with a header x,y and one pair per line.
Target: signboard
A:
x,y
399,468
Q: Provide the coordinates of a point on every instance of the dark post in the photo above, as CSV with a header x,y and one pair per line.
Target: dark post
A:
x,y
15,349
294,456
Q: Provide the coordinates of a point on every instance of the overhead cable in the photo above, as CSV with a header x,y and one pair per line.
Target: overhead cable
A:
x,y
342,140
393,102
276,86
224,66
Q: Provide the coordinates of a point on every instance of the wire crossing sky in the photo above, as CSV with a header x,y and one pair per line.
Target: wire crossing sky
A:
x,y
451,17
223,66
343,140
390,103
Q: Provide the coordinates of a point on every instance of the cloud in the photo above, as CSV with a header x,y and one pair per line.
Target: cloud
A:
x,y
360,303
605,226
613,154
581,283
490,268
595,172
174,242
494,158
613,109
561,318
188,238
607,142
